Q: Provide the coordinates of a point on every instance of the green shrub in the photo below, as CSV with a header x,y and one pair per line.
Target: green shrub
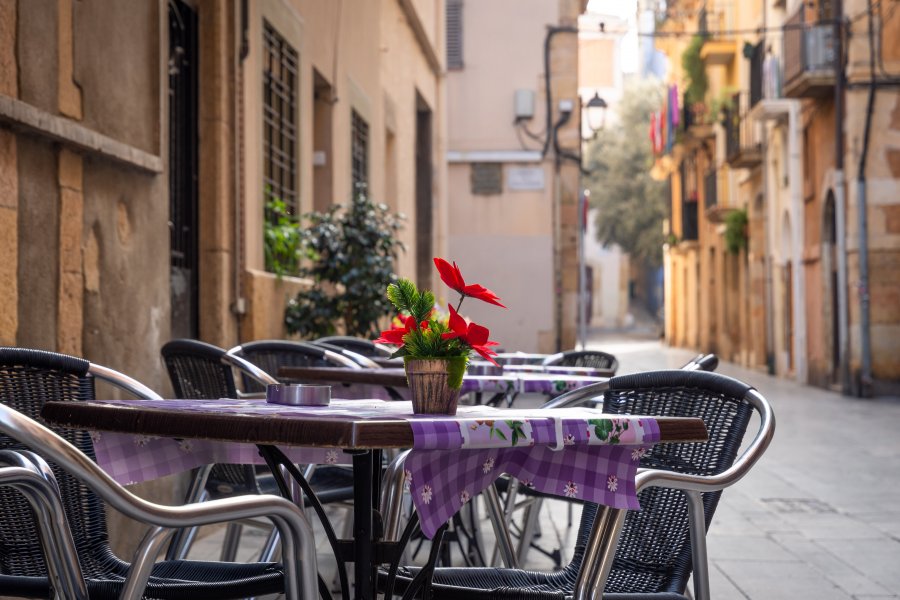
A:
x,y
282,239
351,252
695,71
736,231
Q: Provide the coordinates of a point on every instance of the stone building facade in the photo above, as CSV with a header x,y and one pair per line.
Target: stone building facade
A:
x,y
137,139
513,213
796,300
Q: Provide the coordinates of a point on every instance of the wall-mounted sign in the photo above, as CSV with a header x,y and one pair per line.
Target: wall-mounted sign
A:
x,y
524,178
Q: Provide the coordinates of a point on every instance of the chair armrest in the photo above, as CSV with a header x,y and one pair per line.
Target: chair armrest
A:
x,y
299,549
731,475
248,368
578,396
360,360
120,380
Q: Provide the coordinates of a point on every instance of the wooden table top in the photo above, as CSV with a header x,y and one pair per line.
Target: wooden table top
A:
x,y
266,425
389,376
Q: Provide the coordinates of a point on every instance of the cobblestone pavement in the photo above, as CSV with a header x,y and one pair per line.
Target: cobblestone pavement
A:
x,y
818,517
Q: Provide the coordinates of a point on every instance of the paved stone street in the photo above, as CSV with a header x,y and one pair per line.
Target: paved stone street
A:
x,y
817,518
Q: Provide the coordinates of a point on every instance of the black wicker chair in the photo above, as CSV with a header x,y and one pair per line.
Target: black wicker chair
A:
x,y
594,359
204,371
653,559
28,378
271,355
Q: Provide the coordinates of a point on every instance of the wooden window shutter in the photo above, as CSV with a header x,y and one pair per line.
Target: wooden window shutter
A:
x,y
454,34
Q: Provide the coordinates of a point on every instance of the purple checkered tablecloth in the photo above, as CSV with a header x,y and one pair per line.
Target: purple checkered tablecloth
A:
x,y
514,382
577,452
453,460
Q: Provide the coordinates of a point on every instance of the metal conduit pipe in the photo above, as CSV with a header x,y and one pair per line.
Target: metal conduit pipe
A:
x,y
863,224
840,205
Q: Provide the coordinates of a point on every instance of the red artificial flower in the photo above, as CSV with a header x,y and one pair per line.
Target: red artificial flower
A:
x,y
452,277
472,334
395,334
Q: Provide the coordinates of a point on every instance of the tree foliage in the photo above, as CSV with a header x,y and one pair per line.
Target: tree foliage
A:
x,y
631,205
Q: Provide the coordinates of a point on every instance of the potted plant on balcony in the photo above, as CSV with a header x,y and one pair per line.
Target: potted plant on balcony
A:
x,y
435,350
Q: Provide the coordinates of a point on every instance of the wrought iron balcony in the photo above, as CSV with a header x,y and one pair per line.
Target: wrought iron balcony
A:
x,y
715,22
808,57
743,142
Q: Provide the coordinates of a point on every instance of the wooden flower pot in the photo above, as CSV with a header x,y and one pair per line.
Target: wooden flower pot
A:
x,y
434,383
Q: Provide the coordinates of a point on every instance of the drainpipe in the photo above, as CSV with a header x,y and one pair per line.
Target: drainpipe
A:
x,y
840,209
767,257
863,223
551,136
239,306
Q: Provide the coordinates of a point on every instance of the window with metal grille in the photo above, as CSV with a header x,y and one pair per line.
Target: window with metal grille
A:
x,y
454,34
280,63
359,148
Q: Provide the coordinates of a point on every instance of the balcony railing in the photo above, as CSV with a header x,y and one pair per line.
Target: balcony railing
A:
x,y
743,142
808,57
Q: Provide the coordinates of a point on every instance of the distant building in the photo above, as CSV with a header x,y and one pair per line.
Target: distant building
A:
x,y
764,142
513,173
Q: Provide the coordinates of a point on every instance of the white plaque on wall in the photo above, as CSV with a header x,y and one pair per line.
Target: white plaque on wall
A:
x,y
524,178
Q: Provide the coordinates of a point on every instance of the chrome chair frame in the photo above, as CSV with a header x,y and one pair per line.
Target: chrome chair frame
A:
x,y
298,545
604,536
30,475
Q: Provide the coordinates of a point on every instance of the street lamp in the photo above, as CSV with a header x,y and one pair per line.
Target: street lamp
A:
x,y
594,116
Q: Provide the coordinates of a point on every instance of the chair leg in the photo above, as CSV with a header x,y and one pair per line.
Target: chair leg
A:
x,y
529,526
700,564
183,539
501,528
271,547
231,542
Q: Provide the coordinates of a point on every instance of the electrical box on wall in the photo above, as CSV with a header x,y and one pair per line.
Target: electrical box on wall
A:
x,y
524,104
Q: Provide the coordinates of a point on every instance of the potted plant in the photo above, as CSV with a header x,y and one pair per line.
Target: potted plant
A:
x,y
435,350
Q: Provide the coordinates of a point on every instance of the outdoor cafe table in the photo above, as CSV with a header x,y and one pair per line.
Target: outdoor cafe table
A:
x,y
507,384
574,452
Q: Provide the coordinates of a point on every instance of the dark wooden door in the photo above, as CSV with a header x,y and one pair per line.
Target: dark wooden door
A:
x,y
183,164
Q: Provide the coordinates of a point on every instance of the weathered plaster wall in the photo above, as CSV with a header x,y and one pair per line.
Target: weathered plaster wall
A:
x,y
38,245
36,54
118,71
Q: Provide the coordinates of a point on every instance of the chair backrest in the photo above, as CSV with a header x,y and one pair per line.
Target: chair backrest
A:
x,y
594,359
197,371
28,379
654,550
358,345
271,355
